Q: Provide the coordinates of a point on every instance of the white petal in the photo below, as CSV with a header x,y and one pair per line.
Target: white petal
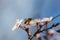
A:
x,y
51,31
21,20
42,21
32,23
14,28
37,20
51,18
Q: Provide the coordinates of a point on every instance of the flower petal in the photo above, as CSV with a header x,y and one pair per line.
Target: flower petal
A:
x,y
51,18
21,21
14,28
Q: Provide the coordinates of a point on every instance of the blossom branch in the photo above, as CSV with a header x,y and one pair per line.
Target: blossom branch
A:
x,y
28,22
39,31
55,17
54,25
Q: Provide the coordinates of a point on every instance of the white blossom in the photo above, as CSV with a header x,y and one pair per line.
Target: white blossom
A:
x,y
17,24
46,19
37,20
32,23
51,32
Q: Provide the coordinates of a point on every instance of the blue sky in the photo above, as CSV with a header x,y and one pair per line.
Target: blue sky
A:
x,y
12,9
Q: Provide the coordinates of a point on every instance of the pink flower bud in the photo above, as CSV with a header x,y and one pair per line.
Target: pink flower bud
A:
x,y
51,32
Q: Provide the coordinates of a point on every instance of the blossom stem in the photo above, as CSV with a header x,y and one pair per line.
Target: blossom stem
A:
x,y
46,32
27,30
38,30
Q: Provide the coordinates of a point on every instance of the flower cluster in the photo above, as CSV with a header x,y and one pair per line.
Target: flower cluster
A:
x,y
40,24
28,22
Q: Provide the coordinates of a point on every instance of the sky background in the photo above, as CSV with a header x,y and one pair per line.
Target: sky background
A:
x,y
13,9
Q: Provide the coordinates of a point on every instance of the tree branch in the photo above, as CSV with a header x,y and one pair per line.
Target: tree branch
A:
x,y
39,31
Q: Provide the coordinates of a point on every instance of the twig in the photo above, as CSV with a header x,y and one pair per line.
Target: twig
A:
x,y
55,17
54,25
39,31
